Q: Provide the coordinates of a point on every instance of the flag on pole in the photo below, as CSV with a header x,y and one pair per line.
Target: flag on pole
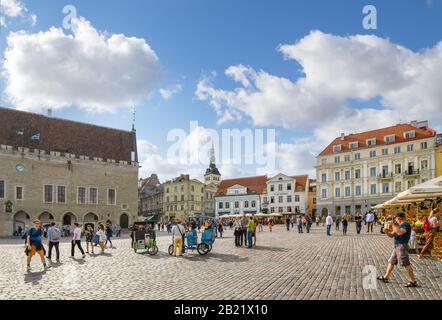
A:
x,y
36,136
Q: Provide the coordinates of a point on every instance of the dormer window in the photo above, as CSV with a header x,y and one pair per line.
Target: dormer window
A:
x,y
337,148
389,139
410,134
353,145
371,142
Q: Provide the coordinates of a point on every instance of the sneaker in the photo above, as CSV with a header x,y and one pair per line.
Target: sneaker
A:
x,y
84,256
46,267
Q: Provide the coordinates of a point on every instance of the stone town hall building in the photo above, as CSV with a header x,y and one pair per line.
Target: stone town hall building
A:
x,y
64,171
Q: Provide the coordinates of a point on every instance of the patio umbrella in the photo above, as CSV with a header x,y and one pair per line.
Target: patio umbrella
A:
x,y
427,190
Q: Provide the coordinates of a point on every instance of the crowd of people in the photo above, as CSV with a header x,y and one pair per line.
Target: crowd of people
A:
x,y
99,236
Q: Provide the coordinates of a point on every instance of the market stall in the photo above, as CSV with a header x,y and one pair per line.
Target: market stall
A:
x,y
418,201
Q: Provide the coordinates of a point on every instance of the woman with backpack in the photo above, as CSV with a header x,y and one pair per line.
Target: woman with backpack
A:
x,y
89,232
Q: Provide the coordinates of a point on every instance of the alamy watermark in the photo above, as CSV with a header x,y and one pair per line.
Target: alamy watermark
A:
x,y
232,146
370,20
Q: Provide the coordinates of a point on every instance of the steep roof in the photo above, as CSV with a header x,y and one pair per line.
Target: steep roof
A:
x,y
379,134
301,182
256,184
65,136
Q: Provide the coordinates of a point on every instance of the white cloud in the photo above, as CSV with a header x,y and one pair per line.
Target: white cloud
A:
x,y
335,69
167,93
14,9
96,72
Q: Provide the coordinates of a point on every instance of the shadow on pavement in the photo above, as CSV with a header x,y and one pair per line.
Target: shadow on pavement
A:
x,y
34,277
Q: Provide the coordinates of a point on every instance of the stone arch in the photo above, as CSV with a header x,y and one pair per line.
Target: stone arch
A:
x,y
90,217
68,218
21,219
124,221
46,217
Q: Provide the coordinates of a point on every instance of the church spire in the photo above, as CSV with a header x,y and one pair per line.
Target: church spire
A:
x,y
212,154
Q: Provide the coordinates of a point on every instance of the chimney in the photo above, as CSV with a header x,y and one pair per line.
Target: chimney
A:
x,y
50,112
342,136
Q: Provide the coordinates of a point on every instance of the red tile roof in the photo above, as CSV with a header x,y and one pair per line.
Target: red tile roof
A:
x,y
65,136
257,184
301,182
397,130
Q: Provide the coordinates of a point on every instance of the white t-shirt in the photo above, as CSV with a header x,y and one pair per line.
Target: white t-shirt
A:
x,y
77,234
369,217
329,220
102,235
178,231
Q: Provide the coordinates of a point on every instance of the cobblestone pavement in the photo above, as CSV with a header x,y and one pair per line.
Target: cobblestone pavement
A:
x,y
284,265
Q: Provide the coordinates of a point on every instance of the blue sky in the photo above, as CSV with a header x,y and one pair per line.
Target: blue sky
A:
x,y
194,39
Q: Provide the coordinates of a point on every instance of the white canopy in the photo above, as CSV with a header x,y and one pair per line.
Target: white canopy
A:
x,y
426,190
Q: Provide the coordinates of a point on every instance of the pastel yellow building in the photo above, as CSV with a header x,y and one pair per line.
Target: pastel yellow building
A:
x,y
438,151
183,197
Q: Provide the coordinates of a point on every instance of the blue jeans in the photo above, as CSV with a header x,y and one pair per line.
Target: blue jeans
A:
x,y
299,228
250,239
328,229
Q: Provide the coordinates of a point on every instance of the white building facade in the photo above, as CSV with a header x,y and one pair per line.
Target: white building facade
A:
x,y
240,196
359,171
286,194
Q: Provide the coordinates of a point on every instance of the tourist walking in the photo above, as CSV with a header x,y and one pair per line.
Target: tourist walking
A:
x,y
109,234
220,230
255,225
400,230
89,234
270,223
431,228
76,240
369,219
34,245
178,233
309,223
338,221
54,236
250,230
328,224
358,221
299,224
260,228
317,221
100,236
287,223
344,224
237,233
244,224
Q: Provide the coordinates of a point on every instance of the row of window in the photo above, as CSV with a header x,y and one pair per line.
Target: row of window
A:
x,y
372,141
236,204
281,209
175,207
182,198
386,188
374,173
281,199
58,194
374,154
281,187
175,189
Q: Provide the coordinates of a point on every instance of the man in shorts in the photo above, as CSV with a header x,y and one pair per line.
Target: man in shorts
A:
x,y
34,244
400,230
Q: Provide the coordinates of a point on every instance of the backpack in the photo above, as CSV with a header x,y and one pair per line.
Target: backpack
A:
x,y
55,234
427,225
